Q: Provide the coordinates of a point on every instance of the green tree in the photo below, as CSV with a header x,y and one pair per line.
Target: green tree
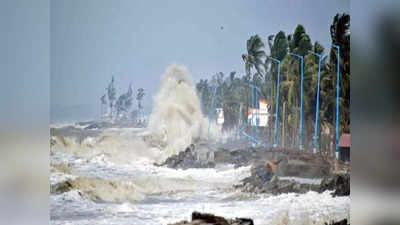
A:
x,y
280,47
254,56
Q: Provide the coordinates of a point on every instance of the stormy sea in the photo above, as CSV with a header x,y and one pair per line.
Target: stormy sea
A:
x,y
114,174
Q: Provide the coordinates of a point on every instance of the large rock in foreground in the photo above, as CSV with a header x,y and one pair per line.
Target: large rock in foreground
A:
x,y
342,222
210,219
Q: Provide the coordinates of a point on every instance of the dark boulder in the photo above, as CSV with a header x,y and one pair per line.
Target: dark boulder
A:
x,y
61,187
306,166
342,222
340,183
210,219
277,186
260,174
263,179
186,159
237,157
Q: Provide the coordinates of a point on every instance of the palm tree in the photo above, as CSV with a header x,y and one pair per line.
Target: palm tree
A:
x,y
340,34
254,56
253,59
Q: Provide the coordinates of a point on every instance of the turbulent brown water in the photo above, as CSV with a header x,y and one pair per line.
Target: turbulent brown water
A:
x,y
115,181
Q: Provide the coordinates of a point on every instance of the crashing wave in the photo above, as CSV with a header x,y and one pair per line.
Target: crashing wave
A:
x,y
176,120
97,189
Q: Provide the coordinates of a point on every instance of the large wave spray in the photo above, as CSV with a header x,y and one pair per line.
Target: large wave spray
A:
x,y
176,120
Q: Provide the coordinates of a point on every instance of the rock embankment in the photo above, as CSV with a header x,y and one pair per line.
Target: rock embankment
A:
x,y
210,219
263,179
187,159
285,163
339,183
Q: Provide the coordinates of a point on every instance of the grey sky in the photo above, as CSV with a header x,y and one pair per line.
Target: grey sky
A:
x,y
135,40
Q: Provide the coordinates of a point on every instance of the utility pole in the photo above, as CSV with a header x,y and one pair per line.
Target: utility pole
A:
x,y
317,103
278,62
211,112
301,101
283,124
337,99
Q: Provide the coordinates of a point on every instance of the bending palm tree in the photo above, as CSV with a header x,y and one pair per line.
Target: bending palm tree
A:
x,y
253,59
254,56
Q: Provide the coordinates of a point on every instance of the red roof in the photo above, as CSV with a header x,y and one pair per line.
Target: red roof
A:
x,y
344,141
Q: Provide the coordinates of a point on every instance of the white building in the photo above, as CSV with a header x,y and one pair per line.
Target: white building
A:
x,y
259,116
219,116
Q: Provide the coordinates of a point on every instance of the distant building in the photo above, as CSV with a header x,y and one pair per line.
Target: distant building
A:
x,y
220,116
259,116
344,147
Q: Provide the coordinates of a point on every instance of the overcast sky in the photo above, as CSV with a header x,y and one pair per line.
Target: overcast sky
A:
x,y
91,40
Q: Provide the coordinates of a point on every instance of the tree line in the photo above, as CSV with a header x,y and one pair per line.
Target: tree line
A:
x,y
119,108
233,91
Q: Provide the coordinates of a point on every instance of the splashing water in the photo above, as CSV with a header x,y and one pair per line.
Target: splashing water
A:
x,y
116,181
176,120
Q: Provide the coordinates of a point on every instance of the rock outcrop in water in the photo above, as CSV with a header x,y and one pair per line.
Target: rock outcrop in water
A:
x,y
210,219
340,183
264,180
187,159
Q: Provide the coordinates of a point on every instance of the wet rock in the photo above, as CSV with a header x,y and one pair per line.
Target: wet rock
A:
x,y
61,187
263,179
260,174
340,183
306,166
238,157
278,186
288,162
210,219
342,222
187,159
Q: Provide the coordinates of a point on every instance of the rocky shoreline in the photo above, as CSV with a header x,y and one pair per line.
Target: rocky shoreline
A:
x,y
271,172
264,180
268,169
211,219
286,162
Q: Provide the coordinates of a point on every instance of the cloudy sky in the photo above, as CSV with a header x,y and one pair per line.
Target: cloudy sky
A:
x,y
135,40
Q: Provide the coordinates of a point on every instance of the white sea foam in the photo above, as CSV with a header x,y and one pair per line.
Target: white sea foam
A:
x,y
154,195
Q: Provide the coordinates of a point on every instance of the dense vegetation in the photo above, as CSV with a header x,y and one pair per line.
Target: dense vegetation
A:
x,y
233,91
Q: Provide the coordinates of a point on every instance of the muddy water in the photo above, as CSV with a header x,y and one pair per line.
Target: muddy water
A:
x,y
142,193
